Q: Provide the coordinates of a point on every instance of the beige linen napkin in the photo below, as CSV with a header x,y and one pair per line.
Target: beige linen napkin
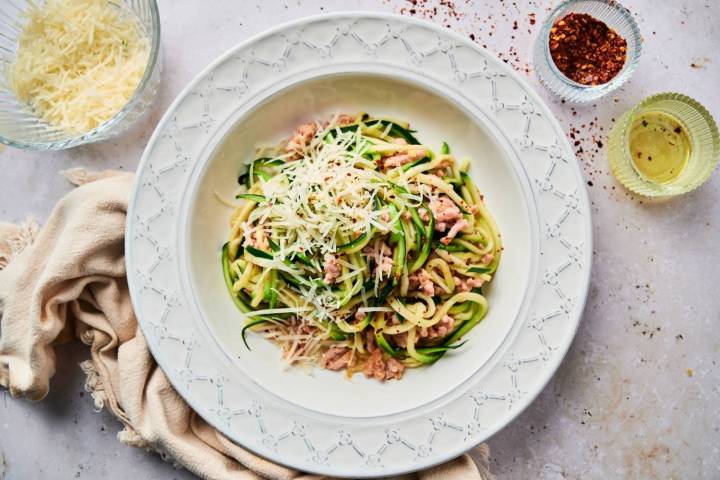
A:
x,y
67,280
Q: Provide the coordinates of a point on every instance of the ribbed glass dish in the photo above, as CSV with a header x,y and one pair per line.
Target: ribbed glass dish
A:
x,y
614,16
704,145
20,128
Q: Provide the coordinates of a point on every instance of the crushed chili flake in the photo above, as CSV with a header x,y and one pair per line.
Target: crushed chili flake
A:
x,y
586,50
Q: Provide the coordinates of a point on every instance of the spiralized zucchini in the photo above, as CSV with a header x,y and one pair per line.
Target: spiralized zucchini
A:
x,y
357,247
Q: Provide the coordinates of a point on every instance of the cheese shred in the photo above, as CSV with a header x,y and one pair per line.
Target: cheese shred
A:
x,y
78,62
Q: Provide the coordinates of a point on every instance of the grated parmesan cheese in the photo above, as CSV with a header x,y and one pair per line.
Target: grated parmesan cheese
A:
x,y
322,197
78,62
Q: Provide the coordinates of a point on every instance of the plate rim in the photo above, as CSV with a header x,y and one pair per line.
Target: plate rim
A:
x,y
583,202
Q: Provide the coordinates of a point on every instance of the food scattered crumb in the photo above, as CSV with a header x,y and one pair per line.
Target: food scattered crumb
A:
x,y
699,63
646,329
690,372
460,16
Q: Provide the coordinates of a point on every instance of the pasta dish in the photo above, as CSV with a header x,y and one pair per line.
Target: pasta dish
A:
x,y
357,248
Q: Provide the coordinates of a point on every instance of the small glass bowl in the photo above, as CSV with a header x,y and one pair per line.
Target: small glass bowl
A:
x,y
20,128
614,16
704,145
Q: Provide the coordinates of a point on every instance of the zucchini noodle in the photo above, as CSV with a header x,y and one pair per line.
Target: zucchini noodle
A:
x,y
358,248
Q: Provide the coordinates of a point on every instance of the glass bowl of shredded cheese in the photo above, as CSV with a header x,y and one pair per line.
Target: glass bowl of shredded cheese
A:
x,y
76,71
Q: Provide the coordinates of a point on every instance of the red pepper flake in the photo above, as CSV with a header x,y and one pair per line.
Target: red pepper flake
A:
x,y
586,50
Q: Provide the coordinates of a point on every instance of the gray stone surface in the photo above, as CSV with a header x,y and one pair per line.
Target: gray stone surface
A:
x,y
638,394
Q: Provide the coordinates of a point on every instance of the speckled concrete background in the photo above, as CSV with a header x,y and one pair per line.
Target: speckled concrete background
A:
x,y
637,396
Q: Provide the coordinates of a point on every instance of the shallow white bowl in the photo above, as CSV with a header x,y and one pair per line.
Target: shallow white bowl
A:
x,y
436,117
448,89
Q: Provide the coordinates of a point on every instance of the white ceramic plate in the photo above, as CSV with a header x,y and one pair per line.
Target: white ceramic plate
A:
x,y
449,89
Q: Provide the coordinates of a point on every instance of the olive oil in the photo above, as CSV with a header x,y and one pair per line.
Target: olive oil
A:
x,y
664,146
659,146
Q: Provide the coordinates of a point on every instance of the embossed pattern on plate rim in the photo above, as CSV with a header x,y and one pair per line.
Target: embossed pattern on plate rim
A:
x,y
424,452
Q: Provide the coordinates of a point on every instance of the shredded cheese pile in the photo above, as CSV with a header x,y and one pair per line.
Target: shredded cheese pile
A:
x,y
320,198
78,62
317,200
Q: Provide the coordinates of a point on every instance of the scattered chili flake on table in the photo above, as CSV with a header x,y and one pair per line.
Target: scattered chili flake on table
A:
x,y
586,50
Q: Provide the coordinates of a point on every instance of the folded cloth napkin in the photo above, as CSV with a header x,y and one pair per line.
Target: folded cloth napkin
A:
x,y
67,280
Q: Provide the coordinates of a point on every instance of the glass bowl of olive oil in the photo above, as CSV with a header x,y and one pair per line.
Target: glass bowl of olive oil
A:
x,y
666,145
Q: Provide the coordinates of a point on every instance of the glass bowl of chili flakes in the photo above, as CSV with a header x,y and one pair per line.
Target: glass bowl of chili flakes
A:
x,y
586,49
